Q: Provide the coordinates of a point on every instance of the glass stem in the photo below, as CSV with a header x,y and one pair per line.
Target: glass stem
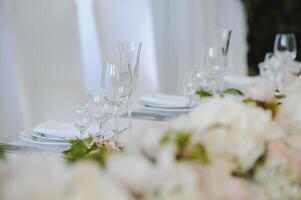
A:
x,y
129,107
101,131
116,120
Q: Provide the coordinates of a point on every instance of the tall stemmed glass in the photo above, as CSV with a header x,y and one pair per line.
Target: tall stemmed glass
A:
x,y
130,55
221,39
214,59
214,68
100,109
117,79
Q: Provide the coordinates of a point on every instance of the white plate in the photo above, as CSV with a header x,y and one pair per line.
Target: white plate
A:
x,y
29,138
50,138
164,101
166,110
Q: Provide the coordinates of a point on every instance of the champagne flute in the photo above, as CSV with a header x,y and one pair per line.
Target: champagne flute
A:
x,y
100,109
116,79
129,53
214,67
82,120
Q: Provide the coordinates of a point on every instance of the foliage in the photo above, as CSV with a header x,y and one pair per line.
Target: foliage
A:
x,y
1,153
92,150
205,93
265,19
271,105
185,150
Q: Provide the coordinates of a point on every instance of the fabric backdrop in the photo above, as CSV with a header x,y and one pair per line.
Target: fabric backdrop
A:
x,y
51,52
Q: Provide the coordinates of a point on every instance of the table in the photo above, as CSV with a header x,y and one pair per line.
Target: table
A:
x,y
137,123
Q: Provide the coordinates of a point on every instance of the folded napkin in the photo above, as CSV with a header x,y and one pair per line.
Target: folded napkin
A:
x,y
59,129
165,101
239,82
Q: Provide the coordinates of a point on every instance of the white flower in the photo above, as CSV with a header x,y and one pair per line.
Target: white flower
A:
x,y
292,86
32,177
133,172
86,181
231,130
262,90
275,180
289,116
47,177
178,183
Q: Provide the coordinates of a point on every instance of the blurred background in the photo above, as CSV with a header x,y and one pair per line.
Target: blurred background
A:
x,y
52,51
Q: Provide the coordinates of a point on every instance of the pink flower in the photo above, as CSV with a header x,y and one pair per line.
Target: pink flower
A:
x,y
262,90
289,155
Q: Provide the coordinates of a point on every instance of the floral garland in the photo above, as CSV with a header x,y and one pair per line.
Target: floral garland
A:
x,y
241,147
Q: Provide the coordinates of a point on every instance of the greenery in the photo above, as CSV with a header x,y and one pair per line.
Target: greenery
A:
x,y
92,150
186,152
1,153
270,105
205,93
265,19
233,91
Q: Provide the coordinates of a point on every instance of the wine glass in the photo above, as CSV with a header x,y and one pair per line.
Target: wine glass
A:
x,y
193,82
221,39
285,47
117,79
100,109
82,120
129,53
214,67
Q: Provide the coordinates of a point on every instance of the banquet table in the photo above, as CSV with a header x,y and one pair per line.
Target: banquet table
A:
x,y
137,123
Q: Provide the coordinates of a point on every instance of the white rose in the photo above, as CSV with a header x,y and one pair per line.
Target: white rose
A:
x,y
261,90
289,116
133,172
86,181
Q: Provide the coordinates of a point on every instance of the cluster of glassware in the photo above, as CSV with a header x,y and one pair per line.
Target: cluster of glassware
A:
x,y
279,65
210,74
117,84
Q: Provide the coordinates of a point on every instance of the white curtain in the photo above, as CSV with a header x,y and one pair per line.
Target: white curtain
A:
x,y
51,51
44,80
183,27
119,20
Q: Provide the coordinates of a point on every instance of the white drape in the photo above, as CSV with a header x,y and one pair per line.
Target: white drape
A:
x,y
51,51
45,62
183,27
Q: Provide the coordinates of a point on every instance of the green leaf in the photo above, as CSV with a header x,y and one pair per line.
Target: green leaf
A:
x,y
204,93
199,153
271,105
182,138
1,153
233,91
280,96
99,154
166,137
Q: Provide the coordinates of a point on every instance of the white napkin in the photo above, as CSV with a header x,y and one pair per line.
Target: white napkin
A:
x,y
239,82
165,101
58,129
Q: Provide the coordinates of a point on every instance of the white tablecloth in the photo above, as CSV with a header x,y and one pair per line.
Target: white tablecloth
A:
x,y
123,123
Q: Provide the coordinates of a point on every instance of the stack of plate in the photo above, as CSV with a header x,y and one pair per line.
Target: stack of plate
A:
x,y
165,103
54,133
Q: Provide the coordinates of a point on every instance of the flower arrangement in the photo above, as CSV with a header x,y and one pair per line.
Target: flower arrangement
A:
x,y
226,149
